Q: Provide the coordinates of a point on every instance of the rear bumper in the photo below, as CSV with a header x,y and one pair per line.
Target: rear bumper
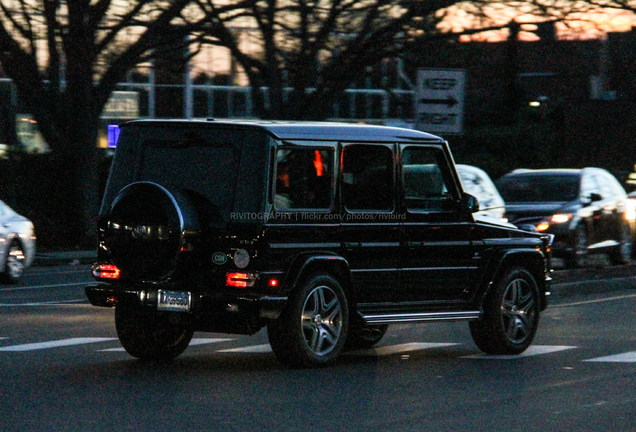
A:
x,y
210,311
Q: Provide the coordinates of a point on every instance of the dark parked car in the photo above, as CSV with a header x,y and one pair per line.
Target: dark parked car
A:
x,y
323,233
586,209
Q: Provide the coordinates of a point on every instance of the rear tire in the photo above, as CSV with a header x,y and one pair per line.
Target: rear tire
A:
x,y
151,334
312,329
510,314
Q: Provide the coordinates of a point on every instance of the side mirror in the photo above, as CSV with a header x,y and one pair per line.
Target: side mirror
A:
x,y
469,203
595,197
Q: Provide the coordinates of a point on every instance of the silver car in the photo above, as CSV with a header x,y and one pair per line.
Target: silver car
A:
x,y
17,244
476,182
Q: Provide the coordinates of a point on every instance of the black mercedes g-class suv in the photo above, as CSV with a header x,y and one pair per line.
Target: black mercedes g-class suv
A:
x,y
324,233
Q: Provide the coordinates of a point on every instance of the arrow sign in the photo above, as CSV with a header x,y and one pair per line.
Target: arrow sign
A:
x,y
439,104
449,101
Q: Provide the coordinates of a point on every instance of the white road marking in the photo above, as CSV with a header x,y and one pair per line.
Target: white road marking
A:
x,y
44,286
53,344
628,357
47,303
249,349
533,350
585,302
193,342
401,348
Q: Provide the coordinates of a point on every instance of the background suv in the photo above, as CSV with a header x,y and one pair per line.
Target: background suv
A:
x,y
586,210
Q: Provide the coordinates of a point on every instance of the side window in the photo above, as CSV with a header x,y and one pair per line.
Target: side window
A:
x,y
303,179
424,185
368,177
616,187
606,187
588,187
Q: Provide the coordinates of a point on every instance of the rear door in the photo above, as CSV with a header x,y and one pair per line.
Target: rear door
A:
x,y
370,226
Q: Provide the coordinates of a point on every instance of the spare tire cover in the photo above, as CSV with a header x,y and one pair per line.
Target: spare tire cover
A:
x,y
145,230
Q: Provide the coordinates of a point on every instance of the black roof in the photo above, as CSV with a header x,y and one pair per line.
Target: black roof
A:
x,y
307,130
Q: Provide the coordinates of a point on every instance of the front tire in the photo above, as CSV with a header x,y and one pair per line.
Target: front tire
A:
x,y
151,334
14,264
579,253
510,314
312,329
621,254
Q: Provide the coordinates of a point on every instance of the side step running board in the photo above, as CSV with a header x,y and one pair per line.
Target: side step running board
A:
x,y
420,317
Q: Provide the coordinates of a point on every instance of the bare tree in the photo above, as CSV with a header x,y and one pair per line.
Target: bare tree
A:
x,y
310,51
66,58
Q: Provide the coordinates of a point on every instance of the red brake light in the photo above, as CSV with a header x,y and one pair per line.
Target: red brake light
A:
x,y
107,271
241,280
318,163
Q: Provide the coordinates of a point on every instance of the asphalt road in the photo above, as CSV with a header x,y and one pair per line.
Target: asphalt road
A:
x,y
64,370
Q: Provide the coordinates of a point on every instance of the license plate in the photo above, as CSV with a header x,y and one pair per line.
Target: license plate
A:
x,y
176,301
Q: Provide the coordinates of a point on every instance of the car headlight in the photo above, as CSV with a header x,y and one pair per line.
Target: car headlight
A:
x,y
630,213
554,220
560,218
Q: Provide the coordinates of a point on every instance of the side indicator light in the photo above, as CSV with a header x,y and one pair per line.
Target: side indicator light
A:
x,y
241,280
107,271
543,226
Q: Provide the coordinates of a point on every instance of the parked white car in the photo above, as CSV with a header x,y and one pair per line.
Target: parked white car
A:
x,y
476,182
17,244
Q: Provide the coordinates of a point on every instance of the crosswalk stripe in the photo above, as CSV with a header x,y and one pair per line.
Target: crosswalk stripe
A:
x,y
534,350
53,344
193,342
627,357
531,351
249,349
400,348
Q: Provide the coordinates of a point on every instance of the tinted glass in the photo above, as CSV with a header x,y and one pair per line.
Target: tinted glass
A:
x,y
588,186
424,186
206,170
303,179
368,179
539,188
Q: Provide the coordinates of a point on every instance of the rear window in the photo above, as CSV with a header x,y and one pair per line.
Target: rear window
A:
x,y
205,171
539,188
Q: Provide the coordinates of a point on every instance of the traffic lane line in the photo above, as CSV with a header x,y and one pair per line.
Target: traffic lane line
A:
x,y
55,344
23,288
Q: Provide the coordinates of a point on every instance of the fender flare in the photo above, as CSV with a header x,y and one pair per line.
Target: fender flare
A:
x,y
501,259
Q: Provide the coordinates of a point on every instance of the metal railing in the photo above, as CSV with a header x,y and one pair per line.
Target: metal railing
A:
x,y
220,101
236,102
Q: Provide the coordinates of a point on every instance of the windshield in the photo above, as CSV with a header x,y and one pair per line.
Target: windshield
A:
x,y
539,188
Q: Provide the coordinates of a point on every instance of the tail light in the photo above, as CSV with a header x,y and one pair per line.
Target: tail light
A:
x,y
241,280
106,271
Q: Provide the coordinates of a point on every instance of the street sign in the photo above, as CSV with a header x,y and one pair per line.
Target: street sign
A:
x,y
122,105
439,107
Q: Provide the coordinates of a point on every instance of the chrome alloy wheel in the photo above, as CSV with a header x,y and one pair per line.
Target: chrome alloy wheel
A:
x,y
321,320
518,311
